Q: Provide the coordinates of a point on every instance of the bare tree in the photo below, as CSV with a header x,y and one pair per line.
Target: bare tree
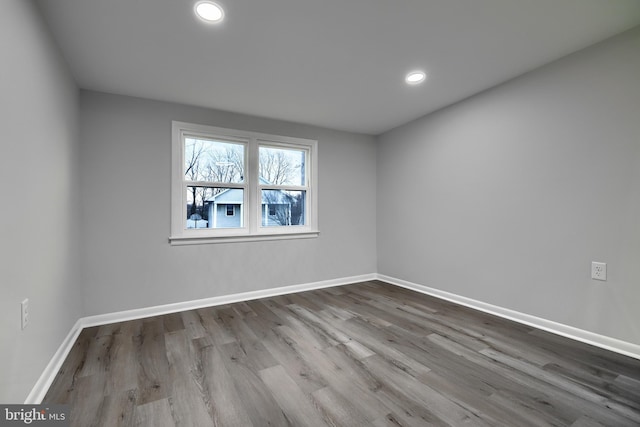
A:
x,y
283,167
287,207
220,162
225,165
210,162
297,209
276,167
194,150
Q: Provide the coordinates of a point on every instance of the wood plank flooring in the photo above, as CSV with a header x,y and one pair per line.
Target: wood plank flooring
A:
x,y
367,354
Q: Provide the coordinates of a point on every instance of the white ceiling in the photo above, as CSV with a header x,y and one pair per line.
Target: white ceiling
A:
x,y
333,63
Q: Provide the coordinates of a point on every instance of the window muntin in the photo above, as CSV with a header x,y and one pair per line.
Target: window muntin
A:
x,y
235,184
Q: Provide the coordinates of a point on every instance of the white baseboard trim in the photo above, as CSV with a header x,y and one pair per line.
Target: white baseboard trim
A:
x,y
602,341
41,387
48,375
139,313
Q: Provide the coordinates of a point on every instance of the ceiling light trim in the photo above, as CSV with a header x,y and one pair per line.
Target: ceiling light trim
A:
x,y
209,12
415,77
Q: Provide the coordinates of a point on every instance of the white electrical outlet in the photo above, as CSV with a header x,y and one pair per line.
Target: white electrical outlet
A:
x,y
599,270
25,312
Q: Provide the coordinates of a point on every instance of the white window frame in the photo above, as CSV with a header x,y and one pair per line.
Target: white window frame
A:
x,y
251,229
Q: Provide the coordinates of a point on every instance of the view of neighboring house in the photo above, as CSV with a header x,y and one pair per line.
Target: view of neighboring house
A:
x,y
225,209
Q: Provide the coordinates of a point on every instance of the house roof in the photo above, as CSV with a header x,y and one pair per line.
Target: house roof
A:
x,y
235,196
230,196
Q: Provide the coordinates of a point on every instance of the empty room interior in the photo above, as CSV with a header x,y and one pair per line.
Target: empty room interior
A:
x,y
376,213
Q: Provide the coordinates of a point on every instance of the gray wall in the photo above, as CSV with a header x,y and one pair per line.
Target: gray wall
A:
x,y
506,198
125,190
511,194
38,184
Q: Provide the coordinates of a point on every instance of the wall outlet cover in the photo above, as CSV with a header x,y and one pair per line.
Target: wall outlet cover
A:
x,y
599,270
24,310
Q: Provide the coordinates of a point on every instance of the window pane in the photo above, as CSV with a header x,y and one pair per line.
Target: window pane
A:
x,y
214,161
280,166
283,208
214,207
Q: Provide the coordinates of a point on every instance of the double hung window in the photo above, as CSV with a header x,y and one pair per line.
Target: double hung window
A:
x,y
230,185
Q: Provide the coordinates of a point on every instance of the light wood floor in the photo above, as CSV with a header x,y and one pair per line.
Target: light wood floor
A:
x,y
368,354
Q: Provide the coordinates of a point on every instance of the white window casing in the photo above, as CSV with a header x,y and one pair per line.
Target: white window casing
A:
x,y
250,227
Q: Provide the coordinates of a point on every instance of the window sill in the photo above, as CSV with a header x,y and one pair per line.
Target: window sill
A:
x,y
199,240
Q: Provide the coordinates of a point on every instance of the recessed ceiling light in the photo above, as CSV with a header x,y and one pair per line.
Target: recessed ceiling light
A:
x,y
209,11
415,77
